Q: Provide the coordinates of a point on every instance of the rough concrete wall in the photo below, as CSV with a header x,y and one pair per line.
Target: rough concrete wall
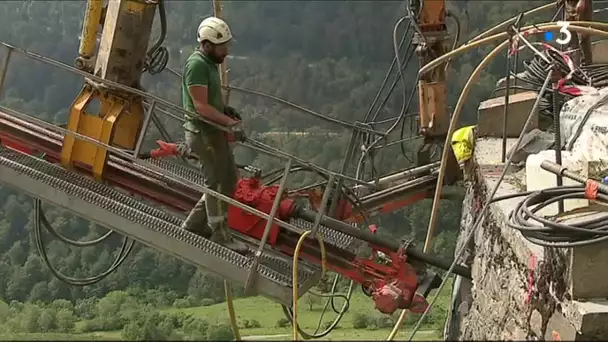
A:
x,y
496,307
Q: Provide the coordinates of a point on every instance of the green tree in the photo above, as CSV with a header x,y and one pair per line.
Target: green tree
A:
x,y
66,320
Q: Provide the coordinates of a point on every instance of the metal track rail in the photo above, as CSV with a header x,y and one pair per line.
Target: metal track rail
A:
x,y
114,210
330,236
157,187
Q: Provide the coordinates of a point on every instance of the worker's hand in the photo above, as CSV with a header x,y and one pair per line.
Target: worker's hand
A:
x,y
232,113
237,132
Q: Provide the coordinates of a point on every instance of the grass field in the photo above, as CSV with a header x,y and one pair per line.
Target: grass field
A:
x,y
268,313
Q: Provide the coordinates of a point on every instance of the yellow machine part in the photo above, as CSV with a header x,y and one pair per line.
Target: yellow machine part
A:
x,y
117,123
91,21
433,118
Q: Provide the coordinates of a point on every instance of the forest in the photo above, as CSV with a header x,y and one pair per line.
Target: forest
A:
x,y
328,56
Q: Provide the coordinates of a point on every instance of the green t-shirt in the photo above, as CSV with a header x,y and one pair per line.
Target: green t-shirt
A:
x,y
200,71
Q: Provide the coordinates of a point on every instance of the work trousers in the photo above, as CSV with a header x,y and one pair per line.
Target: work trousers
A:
x,y
220,172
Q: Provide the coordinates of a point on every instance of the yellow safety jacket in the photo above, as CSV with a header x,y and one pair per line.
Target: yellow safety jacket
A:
x,y
463,143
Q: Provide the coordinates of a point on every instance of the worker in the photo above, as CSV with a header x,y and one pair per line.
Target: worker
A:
x,y
202,96
463,145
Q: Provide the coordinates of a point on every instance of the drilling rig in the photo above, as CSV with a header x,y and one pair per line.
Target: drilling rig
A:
x,y
92,167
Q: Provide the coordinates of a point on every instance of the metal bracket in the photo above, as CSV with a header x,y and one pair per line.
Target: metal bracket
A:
x,y
323,205
144,128
253,270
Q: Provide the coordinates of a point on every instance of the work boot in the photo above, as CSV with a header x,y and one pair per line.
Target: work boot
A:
x,y
221,236
203,230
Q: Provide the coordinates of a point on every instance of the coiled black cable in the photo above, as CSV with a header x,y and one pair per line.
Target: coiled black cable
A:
x,y
157,56
549,233
40,221
595,75
158,60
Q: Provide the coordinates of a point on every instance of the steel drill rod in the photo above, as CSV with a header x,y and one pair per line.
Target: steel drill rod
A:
x,y
363,235
563,171
558,141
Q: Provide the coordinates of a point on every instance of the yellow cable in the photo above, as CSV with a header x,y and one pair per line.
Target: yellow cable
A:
x,y
296,255
510,21
465,92
231,312
581,26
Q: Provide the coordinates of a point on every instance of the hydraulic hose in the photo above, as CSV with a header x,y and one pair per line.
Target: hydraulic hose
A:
x,y
586,27
296,257
231,312
456,36
158,56
504,24
553,234
49,227
332,295
40,220
367,116
400,78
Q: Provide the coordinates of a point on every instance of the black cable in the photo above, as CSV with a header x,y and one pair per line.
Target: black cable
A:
x,y
288,312
56,234
332,295
400,78
158,60
553,234
157,56
40,220
386,77
278,173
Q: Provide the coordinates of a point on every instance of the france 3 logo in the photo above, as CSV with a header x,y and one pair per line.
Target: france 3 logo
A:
x,y
563,38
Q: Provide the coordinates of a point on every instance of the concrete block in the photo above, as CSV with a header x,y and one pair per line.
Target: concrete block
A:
x,y
588,264
514,82
490,115
599,50
589,320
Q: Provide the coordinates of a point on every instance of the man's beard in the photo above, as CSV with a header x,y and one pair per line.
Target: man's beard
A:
x,y
214,58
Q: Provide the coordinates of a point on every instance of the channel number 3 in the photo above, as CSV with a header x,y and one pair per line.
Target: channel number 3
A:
x,y
566,35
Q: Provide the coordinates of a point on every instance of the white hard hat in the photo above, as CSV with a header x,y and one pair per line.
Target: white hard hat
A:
x,y
215,30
